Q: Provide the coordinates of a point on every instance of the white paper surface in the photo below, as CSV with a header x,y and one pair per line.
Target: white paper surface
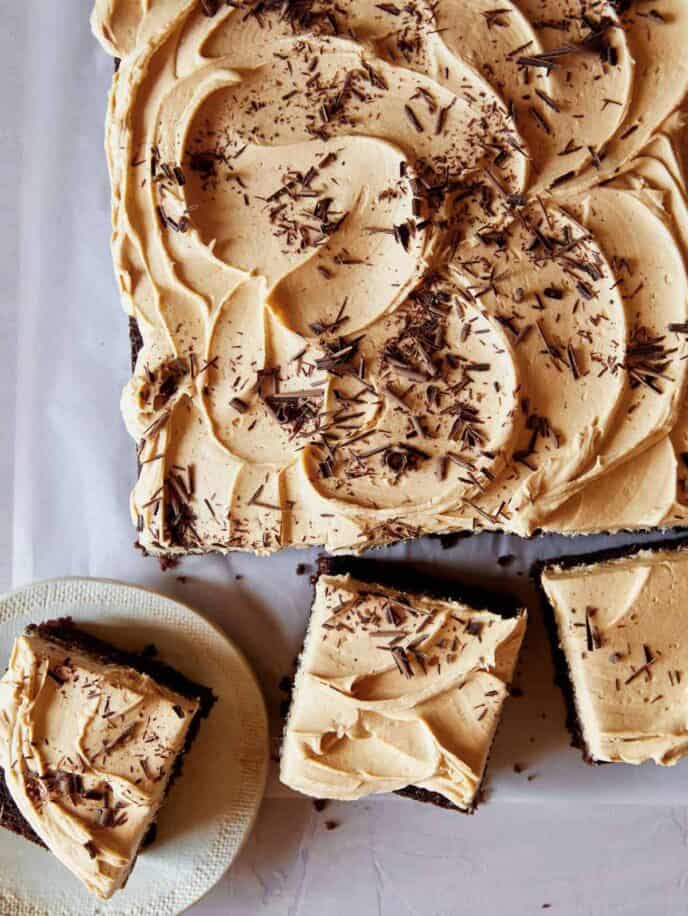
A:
x,y
75,464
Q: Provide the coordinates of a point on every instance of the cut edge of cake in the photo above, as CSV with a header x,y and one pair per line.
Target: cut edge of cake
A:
x,y
71,637
407,579
562,672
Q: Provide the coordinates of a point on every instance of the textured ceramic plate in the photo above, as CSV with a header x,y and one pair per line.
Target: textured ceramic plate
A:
x,y
211,807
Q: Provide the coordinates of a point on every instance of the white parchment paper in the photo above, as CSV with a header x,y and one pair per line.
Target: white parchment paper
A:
x,y
74,463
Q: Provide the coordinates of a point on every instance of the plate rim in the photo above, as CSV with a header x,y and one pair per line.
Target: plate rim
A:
x,y
245,665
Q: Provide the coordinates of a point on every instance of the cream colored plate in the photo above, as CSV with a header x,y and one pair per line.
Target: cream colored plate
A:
x,y
211,807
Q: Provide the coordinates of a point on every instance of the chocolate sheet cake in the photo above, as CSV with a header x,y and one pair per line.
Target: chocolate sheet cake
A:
x,y
398,691
620,628
91,739
396,269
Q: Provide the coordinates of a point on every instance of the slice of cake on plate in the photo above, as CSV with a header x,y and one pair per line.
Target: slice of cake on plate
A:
x,y
622,642
91,738
397,692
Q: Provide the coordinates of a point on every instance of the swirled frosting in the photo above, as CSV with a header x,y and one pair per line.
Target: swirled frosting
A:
x,y
622,626
400,267
87,750
396,690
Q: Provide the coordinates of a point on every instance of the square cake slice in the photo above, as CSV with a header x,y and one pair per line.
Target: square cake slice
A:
x,y
91,738
622,640
397,692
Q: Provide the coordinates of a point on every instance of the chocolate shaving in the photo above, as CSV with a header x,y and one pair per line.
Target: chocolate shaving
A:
x,y
413,119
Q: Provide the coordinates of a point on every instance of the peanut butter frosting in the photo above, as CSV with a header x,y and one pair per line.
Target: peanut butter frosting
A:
x,y
395,690
87,750
622,626
400,268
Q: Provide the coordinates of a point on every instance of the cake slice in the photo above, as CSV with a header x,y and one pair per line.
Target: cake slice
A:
x,y
91,738
397,692
621,640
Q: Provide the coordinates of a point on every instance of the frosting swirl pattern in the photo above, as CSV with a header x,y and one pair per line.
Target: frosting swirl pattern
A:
x,y
400,268
396,690
87,752
622,626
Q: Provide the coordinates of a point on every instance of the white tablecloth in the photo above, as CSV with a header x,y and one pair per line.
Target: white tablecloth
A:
x,y
584,840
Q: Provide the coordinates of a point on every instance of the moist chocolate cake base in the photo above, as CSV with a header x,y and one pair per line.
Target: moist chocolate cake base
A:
x,y
431,798
412,579
562,676
11,817
418,579
65,634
